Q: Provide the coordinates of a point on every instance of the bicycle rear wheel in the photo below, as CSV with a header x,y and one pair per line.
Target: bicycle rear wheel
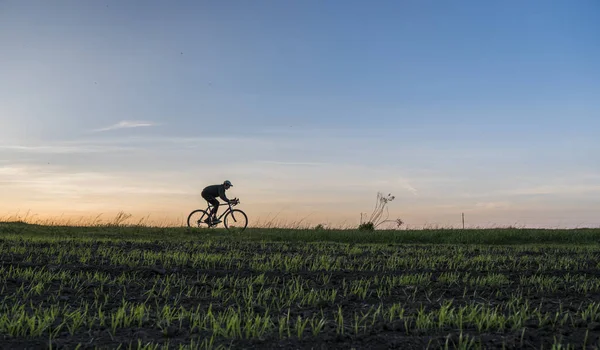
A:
x,y
236,221
196,219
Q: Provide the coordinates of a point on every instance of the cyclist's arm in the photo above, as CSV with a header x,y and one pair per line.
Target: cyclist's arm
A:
x,y
222,194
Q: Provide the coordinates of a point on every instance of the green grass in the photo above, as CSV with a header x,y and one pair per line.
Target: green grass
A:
x,y
295,288
496,236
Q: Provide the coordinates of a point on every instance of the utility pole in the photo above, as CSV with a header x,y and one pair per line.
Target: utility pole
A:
x,y
463,220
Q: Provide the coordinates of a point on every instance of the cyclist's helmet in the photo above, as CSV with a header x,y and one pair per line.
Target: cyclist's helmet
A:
x,y
227,183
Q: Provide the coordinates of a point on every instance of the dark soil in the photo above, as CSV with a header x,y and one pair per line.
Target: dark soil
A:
x,y
381,334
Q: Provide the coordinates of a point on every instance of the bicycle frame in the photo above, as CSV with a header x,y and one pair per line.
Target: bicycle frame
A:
x,y
224,213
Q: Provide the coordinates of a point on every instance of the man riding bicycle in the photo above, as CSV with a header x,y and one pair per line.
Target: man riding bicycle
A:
x,y
210,194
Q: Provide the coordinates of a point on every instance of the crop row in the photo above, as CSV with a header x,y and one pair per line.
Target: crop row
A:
x,y
28,320
261,257
24,283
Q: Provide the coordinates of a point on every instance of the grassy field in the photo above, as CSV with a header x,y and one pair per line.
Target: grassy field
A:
x,y
141,287
501,236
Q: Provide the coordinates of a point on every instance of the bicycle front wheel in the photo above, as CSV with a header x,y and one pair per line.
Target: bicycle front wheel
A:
x,y
196,219
236,221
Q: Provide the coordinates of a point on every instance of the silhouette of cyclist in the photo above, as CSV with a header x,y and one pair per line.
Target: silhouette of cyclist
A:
x,y
210,194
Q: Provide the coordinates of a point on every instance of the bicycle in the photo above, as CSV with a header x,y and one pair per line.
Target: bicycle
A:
x,y
234,219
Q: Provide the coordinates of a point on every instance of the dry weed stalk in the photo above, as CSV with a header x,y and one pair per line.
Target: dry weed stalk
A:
x,y
376,218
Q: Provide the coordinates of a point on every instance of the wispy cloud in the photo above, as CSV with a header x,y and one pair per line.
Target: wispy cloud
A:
x,y
559,189
291,163
11,170
64,149
124,124
542,190
405,184
492,205
65,182
399,183
128,144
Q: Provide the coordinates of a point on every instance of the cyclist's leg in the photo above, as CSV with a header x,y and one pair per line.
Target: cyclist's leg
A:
x,y
215,208
215,203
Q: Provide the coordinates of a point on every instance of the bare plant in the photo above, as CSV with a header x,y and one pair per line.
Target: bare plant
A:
x,y
120,219
379,215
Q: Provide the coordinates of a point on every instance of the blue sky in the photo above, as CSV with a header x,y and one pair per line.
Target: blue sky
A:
x,y
308,107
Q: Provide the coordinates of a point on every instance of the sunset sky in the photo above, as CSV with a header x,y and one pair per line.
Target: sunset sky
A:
x,y
308,107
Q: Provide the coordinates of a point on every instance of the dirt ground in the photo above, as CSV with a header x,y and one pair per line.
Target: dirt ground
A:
x,y
566,286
